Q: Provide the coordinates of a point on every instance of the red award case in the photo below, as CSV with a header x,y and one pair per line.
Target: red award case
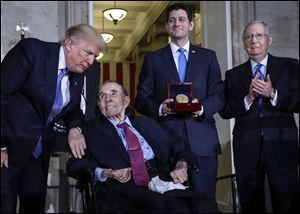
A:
x,y
182,94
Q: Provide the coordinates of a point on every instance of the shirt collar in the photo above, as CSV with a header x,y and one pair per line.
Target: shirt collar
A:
x,y
175,48
263,62
62,59
115,123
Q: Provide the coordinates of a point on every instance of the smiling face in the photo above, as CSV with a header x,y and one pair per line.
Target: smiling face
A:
x,y
178,25
257,42
112,101
80,54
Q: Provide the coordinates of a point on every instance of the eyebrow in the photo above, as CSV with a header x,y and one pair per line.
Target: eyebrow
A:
x,y
113,90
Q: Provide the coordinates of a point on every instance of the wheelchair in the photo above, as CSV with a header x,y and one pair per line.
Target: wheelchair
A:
x,y
95,202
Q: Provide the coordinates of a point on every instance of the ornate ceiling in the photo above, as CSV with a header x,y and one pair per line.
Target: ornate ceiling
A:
x,y
144,18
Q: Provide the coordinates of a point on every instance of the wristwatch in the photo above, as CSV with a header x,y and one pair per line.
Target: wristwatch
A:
x,y
273,94
79,129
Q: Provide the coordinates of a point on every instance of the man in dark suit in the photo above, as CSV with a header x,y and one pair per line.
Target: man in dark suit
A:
x,y
265,138
109,154
88,105
40,83
196,131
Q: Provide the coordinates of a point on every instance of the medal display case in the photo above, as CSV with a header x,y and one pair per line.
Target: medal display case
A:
x,y
182,94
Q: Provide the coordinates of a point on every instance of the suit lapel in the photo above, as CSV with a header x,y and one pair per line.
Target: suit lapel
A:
x,y
51,78
274,69
115,140
193,62
245,74
147,135
168,56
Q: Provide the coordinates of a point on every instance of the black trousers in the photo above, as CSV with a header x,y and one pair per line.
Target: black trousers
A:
x,y
29,184
283,185
128,197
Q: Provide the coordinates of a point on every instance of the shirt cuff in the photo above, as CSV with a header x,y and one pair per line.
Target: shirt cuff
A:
x,y
201,111
160,113
274,100
98,175
247,106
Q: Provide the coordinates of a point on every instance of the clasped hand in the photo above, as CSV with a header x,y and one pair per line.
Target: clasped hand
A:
x,y
122,175
259,87
179,174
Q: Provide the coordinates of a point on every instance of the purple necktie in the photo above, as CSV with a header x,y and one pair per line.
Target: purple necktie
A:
x,y
182,62
139,170
261,77
56,109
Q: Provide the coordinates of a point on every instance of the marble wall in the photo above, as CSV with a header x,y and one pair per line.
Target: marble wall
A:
x,y
48,20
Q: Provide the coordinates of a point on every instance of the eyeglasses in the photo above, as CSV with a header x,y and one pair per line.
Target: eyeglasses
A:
x,y
257,36
112,94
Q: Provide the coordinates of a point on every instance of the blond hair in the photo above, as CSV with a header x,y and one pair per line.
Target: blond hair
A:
x,y
84,32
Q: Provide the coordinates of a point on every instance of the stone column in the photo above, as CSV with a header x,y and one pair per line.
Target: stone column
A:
x,y
76,12
242,12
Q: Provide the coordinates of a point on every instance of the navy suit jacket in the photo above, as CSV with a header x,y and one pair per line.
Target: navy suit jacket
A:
x,y
106,150
277,122
203,70
28,87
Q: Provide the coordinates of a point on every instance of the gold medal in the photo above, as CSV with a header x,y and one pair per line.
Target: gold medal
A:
x,y
182,98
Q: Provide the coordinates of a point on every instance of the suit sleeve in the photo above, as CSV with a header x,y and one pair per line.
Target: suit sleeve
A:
x,y
145,99
214,101
288,92
15,68
234,96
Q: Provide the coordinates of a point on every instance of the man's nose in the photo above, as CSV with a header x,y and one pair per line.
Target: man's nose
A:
x,y
91,60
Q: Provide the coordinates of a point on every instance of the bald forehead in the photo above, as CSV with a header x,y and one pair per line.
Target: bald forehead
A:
x,y
110,85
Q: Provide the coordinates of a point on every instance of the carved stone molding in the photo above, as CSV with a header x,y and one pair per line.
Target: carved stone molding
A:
x,y
76,13
242,13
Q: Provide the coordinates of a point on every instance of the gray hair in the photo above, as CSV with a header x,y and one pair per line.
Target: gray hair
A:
x,y
87,33
267,28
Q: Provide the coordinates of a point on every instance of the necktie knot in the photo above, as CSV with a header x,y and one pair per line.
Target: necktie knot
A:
x,y
259,72
181,50
122,125
64,71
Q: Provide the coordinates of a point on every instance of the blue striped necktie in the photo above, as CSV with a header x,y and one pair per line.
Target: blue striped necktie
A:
x,y
261,77
182,62
56,109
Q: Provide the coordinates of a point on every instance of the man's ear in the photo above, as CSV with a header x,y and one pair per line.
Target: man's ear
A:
x,y
126,101
68,44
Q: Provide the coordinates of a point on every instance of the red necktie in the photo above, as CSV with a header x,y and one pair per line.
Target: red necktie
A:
x,y
139,170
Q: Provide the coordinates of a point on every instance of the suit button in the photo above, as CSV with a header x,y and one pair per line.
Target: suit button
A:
x,y
261,115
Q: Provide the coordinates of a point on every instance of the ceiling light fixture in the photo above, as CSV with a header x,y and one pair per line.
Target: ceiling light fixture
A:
x,y
115,14
106,36
23,28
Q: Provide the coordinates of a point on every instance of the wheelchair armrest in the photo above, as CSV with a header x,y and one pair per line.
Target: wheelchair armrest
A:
x,y
78,168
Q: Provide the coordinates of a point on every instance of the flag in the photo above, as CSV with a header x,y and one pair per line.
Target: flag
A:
x,y
124,74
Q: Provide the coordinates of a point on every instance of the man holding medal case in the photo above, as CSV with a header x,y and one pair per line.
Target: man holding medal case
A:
x,y
185,102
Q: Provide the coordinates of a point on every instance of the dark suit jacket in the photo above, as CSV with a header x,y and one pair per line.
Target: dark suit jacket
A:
x,y
203,70
277,123
106,150
92,88
28,85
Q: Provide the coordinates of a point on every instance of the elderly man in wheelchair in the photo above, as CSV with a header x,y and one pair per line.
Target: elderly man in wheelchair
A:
x,y
131,158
